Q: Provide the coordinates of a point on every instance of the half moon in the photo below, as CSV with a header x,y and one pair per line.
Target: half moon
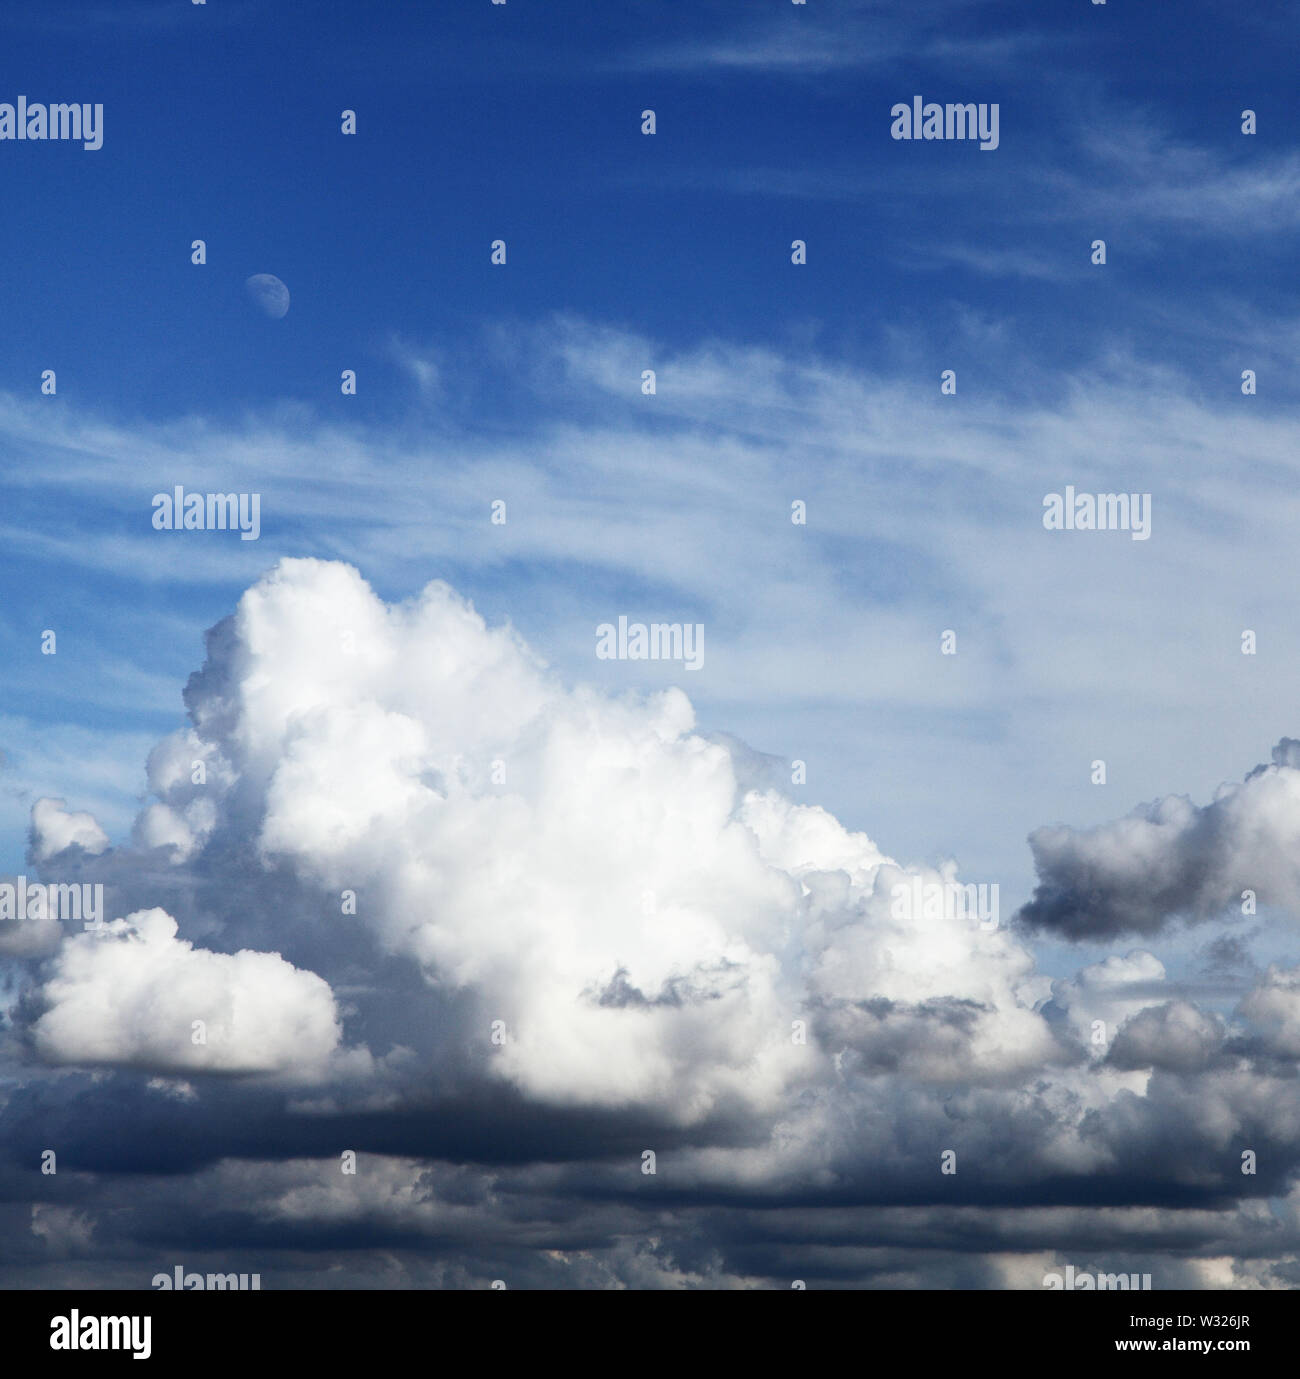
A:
x,y
268,294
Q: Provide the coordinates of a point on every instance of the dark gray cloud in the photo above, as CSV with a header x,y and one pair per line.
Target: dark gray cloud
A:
x,y
1172,860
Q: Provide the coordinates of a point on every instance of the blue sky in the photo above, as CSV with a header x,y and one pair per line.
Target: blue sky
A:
x,y
770,128
522,121
776,382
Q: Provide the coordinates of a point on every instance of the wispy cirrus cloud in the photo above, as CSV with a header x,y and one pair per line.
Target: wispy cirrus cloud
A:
x,y
859,35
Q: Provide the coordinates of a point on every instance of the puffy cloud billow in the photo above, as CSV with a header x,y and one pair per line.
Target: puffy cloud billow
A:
x,y
135,994
1172,859
498,936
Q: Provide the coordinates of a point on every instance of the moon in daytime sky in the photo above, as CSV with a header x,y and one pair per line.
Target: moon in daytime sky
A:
x,y
268,294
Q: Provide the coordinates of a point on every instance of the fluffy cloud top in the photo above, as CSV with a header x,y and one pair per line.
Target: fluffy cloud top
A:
x,y
1172,859
54,830
135,994
645,928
